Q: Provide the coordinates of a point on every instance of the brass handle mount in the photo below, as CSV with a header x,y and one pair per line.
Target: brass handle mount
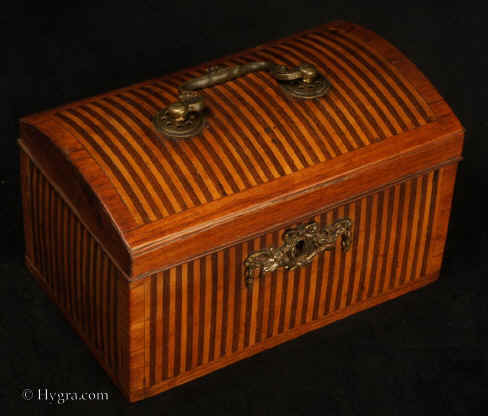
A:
x,y
186,117
301,245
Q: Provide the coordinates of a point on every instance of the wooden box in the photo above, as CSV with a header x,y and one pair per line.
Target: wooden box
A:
x,y
156,247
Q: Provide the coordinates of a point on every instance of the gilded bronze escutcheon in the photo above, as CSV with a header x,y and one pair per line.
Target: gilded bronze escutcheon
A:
x,y
301,245
186,117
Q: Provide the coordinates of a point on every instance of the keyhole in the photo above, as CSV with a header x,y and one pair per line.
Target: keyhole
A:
x,y
299,248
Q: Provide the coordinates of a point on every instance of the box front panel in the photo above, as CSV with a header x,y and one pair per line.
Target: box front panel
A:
x,y
201,315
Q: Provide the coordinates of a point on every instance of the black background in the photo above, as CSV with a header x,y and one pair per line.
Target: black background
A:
x,y
425,352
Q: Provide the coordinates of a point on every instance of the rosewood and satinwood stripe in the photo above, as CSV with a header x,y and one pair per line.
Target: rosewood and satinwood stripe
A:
x,y
254,133
201,311
360,47
374,91
74,267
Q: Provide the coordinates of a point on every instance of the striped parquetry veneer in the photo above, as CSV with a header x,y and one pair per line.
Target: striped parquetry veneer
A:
x,y
141,240
266,136
201,315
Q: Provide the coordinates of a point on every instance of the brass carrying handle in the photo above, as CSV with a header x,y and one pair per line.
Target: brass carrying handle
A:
x,y
186,117
301,245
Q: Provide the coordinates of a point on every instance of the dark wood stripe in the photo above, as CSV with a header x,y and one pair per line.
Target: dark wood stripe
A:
x,y
249,293
67,243
45,231
42,234
272,303
433,203
366,253
34,179
400,220
152,330
354,252
410,215
225,289
73,263
284,295
237,296
191,316
260,306
213,321
178,318
330,270
376,245
92,283
56,250
165,300
115,321
320,276
102,283
388,237
308,275
109,300
294,299
99,317
422,215
401,84
342,266
201,310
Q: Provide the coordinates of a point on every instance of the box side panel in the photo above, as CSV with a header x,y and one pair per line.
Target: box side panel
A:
x,y
201,315
76,272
